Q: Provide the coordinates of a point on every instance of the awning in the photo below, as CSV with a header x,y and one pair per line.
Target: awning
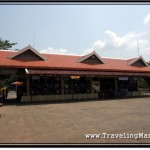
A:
x,y
87,73
17,83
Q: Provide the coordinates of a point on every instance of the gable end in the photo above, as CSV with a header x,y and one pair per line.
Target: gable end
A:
x,y
92,58
28,53
140,62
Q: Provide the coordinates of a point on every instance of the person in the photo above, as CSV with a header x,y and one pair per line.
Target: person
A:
x,y
3,96
19,94
1,100
123,92
111,92
6,93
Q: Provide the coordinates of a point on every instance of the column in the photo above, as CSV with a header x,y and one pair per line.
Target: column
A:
x,y
137,84
91,85
116,85
62,85
99,84
28,84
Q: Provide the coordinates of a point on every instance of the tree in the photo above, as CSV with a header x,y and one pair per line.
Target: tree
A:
x,y
5,44
144,82
148,63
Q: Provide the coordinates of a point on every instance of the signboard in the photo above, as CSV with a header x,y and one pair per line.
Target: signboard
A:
x,y
123,78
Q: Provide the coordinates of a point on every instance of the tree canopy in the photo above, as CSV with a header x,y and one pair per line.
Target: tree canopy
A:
x,y
6,44
148,63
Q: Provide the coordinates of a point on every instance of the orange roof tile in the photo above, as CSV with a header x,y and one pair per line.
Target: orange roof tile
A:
x,y
55,61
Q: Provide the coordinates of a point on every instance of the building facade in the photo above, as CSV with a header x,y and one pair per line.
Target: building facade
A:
x,y
48,77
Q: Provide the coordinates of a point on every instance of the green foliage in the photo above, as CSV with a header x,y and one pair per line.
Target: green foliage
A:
x,y
143,83
148,63
6,80
5,44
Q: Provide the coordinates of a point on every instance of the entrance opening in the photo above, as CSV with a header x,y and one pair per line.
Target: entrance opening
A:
x,y
107,87
9,86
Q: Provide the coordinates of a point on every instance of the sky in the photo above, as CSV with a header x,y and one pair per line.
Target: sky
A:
x,y
111,30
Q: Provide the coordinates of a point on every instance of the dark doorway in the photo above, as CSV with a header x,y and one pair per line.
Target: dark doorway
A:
x,y
108,87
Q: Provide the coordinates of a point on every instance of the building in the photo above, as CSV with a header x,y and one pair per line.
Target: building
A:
x,y
49,77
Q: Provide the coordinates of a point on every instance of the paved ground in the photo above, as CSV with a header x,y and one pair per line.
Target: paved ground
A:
x,y
69,122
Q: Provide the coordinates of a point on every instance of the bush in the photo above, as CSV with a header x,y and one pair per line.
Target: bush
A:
x,y
143,83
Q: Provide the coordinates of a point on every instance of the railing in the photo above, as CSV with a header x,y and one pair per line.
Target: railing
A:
x,y
144,92
123,94
59,98
85,96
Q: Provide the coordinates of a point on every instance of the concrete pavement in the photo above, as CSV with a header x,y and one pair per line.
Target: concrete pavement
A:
x,y
69,122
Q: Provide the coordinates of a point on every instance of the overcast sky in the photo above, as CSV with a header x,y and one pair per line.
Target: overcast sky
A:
x,y
110,30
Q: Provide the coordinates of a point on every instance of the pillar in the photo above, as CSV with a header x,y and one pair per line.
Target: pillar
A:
x,y
137,84
99,84
28,85
92,85
116,85
62,85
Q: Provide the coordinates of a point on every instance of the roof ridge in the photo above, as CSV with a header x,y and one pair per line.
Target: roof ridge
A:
x,y
59,54
114,58
4,50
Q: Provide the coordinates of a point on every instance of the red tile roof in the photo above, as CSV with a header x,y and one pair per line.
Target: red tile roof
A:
x,y
68,62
